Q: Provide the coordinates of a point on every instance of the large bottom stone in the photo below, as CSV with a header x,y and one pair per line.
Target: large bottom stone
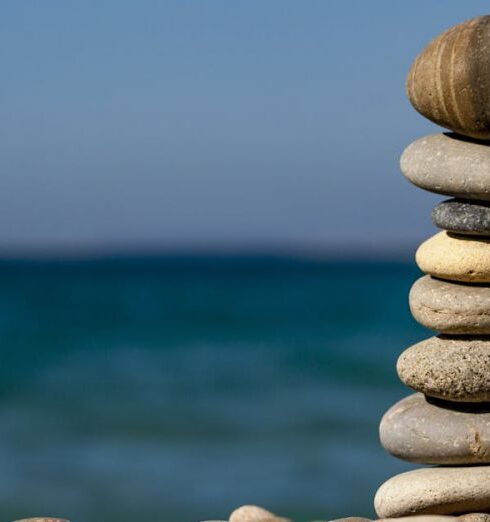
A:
x,y
435,432
436,491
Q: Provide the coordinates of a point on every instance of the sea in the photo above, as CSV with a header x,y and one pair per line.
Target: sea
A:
x,y
176,388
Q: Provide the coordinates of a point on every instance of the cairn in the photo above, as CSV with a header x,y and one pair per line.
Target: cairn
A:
x,y
446,424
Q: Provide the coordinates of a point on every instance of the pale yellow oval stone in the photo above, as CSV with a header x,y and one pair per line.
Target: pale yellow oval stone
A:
x,y
454,257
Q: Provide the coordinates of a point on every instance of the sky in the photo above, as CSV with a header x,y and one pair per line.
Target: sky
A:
x,y
211,124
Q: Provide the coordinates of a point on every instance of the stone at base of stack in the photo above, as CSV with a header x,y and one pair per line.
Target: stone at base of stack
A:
x,y
447,423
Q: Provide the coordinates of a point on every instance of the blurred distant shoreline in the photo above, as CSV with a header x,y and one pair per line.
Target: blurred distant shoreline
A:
x,y
306,253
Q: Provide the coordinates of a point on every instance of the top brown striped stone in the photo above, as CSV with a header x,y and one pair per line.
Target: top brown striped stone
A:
x,y
449,82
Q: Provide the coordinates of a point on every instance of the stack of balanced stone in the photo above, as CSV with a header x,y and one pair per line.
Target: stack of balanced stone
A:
x,y
447,422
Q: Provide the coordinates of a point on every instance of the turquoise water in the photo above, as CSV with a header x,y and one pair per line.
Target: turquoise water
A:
x,y
175,389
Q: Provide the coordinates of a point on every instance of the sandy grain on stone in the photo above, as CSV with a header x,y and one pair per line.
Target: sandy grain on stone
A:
x,y
448,164
435,491
454,369
251,513
450,307
455,258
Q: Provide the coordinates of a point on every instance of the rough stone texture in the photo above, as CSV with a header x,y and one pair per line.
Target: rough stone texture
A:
x,y
457,258
449,82
349,519
452,308
454,369
254,514
422,518
352,519
435,491
433,432
475,517
463,217
448,164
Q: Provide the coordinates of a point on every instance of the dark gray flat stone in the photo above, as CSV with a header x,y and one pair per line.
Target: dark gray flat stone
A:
x,y
463,217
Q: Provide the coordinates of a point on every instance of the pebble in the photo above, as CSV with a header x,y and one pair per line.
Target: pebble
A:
x,y
254,514
450,165
463,217
449,82
456,258
451,308
432,432
421,518
42,519
454,369
475,517
352,519
435,491
467,517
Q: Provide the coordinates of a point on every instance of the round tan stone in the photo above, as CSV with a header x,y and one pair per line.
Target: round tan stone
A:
x,y
457,258
451,308
449,82
448,164
254,514
434,432
454,369
435,491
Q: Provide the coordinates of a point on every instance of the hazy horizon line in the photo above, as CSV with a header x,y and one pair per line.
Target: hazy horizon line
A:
x,y
335,251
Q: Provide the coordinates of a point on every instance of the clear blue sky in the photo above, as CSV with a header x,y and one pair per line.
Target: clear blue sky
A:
x,y
200,123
